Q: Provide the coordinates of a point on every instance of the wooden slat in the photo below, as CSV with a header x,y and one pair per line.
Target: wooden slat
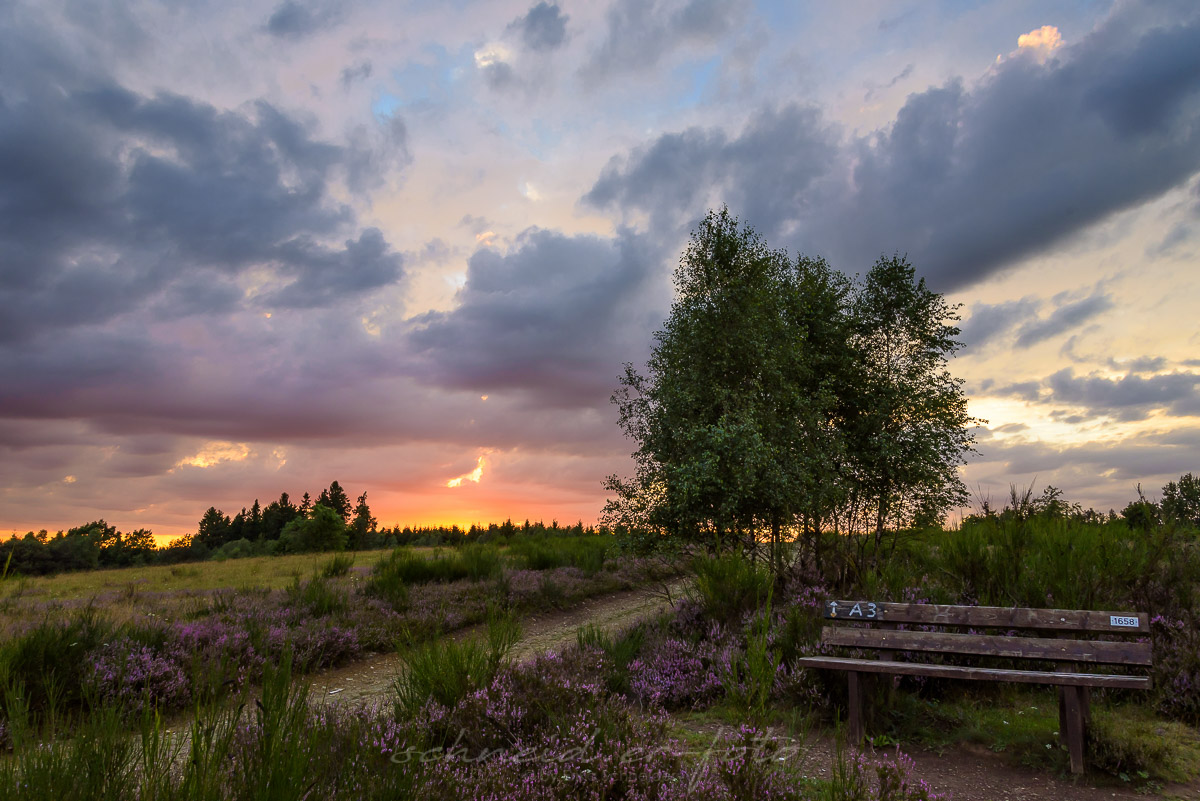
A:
x,y
988,616
1066,650
975,673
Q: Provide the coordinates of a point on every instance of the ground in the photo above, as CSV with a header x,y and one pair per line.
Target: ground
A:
x,y
971,773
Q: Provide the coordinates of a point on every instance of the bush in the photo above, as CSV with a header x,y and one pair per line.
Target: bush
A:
x,y
547,553
316,597
445,671
239,549
323,531
481,562
619,652
728,586
48,666
337,566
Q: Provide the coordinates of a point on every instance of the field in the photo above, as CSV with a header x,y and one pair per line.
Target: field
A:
x,y
486,672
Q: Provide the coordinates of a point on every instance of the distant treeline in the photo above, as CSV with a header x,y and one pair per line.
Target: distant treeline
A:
x,y
330,523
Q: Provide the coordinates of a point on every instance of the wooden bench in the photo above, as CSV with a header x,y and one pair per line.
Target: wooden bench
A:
x,y
1067,647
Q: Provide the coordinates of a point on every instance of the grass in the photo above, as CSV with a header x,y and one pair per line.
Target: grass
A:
x,y
1126,740
272,572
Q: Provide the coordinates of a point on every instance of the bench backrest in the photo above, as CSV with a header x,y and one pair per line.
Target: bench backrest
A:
x,y
1060,648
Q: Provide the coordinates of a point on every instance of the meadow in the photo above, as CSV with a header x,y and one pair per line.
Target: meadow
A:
x,y
621,714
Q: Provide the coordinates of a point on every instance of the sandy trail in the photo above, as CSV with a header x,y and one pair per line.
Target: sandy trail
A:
x,y
370,680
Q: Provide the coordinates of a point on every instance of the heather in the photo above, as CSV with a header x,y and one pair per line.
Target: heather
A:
x,y
547,729
171,650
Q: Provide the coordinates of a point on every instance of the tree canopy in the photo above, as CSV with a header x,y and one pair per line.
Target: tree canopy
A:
x,y
781,395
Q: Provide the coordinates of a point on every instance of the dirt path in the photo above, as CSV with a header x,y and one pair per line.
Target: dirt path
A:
x,y
370,679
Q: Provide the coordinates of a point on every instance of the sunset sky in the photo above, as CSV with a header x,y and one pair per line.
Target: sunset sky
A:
x,y
253,247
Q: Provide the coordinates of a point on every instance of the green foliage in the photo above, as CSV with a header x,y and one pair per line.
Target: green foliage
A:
x,y
620,649
728,585
44,670
750,681
481,562
316,597
322,530
1181,501
780,396
240,549
337,566
546,553
446,671
1130,742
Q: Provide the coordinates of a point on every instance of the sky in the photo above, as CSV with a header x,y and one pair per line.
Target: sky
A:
x,y
256,247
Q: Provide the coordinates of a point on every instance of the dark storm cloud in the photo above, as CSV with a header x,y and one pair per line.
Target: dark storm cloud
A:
x,y
112,199
766,173
544,28
1063,319
965,181
639,33
554,318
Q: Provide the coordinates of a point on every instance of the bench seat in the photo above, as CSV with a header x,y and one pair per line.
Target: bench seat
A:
x,y
978,673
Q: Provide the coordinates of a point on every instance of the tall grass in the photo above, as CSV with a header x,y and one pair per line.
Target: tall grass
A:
x,y
726,586
446,671
546,553
44,670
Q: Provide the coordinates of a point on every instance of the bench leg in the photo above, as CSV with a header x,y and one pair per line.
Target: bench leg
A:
x,y
1073,711
855,722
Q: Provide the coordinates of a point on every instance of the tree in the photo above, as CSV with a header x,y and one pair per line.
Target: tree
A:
x,y
907,425
1181,501
780,396
734,416
363,523
323,530
215,529
336,499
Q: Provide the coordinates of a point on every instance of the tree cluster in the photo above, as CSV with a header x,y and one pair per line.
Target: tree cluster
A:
x,y
783,398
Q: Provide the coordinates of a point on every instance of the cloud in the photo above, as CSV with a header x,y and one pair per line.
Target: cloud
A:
x,y
989,321
296,20
1063,319
1127,398
123,201
551,319
640,33
1042,42
764,174
213,453
542,29
966,180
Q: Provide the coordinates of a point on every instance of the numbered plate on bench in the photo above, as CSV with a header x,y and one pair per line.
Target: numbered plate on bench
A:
x,y
856,610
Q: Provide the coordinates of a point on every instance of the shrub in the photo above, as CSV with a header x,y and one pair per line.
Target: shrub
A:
x,y
445,671
337,566
481,562
619,651
547,553
316,597
48,666
729,585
